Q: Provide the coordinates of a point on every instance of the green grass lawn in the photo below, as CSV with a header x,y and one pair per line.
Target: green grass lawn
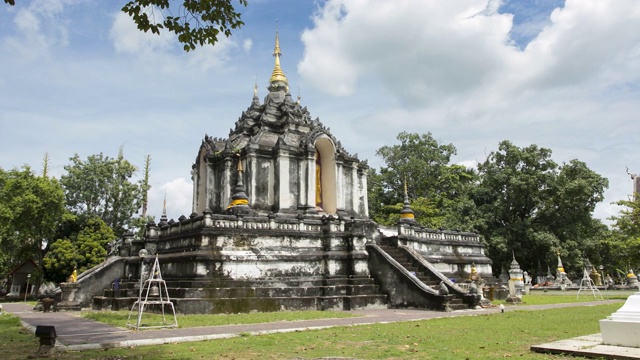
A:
x,y
469,337
561,297
15,341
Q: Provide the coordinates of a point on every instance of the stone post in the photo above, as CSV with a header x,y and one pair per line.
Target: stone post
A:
x,y
69,299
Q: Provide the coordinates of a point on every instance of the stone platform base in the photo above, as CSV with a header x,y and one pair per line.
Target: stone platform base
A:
x,y
620,333
590,346
246,305
623,326
68,306
219,296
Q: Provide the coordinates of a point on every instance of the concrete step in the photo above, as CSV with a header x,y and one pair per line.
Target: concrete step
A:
x,y
262,304
272,282
209,292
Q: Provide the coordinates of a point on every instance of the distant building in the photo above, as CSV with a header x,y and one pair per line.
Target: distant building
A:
x,y
19,279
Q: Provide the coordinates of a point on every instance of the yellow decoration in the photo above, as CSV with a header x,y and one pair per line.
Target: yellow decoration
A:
x,y
73,277
318,180
407,216
238,202
474,273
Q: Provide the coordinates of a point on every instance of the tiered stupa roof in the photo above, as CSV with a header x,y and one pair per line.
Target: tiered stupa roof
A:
x,y
279,122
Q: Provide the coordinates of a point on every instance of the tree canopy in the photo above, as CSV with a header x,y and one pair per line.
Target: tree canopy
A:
x,y
68,223
619,250
532,206
195,22
81,250
31,208
101,186
519,199
439,190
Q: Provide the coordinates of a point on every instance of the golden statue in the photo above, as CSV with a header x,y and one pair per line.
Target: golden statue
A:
x,y
73,277
596,277
473,276
318,181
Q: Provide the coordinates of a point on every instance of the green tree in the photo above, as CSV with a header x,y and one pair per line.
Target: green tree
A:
x,y
82,250
438,190
102,187
195,22
532,207
619,250
31,207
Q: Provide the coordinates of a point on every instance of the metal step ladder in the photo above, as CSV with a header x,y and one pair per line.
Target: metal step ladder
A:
x,y
155,293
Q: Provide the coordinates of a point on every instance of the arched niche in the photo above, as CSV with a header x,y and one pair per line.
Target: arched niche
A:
x,y
327,153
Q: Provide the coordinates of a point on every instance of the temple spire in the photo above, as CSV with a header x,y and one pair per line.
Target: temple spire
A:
x,y
256,101
163,217
560,266
406,214
239,196
278,79
239,200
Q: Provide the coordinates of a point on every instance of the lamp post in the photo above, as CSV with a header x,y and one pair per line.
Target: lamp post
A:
x,y
26,291
604,280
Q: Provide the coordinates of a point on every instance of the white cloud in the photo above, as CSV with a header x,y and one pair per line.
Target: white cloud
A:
x,y
581,41
402,45
449,67
469,164
40,25
128,39
461,51
247,44
163,51
213,57
179,198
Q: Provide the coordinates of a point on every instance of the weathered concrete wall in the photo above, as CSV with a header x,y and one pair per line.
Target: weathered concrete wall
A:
x,y
279,173
402,288
95,280
230,247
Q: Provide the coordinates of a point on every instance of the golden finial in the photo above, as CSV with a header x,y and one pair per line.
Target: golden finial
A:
x,y
276,51
278,74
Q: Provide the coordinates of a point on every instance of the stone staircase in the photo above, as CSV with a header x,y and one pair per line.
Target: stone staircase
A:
x,y
214,296
425,275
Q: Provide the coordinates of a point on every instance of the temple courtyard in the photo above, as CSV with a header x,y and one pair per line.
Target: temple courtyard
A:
x,y
370,333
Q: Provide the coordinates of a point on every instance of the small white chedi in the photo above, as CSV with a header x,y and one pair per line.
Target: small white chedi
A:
x,y
622,328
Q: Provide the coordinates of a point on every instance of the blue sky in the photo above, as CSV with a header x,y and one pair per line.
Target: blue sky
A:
x,y
77,77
